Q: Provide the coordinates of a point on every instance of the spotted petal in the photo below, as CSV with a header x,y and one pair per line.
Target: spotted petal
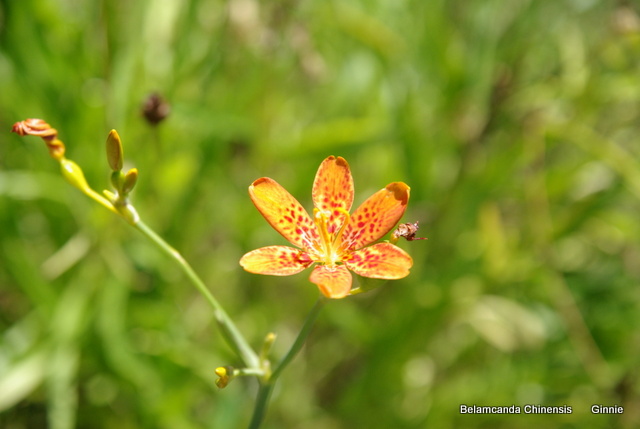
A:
x,y
334,282
283,212
275,261
380,261
376,216
333,189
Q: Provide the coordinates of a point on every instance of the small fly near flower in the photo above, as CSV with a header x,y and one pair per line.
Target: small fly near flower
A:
x,y
408,231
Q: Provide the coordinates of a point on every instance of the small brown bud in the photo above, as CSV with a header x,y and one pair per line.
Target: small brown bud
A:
x,y
155,109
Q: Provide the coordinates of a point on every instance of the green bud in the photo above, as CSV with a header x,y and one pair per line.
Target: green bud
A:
x,y
115,155
266,346
130,180
117,177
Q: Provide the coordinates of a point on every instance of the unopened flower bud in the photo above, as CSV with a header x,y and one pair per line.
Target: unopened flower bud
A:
x,y
117,177
115,154
225,374
268,343
130,180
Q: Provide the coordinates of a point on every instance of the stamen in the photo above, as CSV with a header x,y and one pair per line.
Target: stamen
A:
x,y
332,246
321,222
338,237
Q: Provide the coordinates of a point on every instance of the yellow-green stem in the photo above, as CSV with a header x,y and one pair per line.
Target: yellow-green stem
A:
x,y
99,199
233,335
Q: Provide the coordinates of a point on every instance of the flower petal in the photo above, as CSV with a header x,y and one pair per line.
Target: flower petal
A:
x,y
334,282
380,261
332,189
284,213
275,261
376,216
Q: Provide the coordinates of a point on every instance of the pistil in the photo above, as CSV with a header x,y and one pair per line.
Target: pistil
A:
x,y
331,243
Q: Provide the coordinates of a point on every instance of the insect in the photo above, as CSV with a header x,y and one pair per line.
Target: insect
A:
x,y
408,231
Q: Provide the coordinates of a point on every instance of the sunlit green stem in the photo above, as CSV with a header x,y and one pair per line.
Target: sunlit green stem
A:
x,y
266,386
302,337
231,332
260,409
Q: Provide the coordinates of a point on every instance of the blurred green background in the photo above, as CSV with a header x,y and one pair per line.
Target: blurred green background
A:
x,y
515,123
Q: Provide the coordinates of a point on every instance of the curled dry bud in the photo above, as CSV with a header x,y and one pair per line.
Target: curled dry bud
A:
x,y
39,128
155,109
408,231
115,155
34,127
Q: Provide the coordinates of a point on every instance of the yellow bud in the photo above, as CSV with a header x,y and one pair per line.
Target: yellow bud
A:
x,y
269,339
129,181
115,155
73,173
266,346
224,373
222,382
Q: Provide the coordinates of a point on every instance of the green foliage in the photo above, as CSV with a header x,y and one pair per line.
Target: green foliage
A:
x,y
516,127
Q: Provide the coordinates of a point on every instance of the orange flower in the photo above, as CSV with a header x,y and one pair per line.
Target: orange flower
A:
x,y
336,241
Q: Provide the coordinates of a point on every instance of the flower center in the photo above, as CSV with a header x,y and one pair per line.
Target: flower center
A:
x,y
330,253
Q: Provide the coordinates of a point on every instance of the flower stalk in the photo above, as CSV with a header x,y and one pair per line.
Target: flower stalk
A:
x,y
267,384
235,339
118,203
